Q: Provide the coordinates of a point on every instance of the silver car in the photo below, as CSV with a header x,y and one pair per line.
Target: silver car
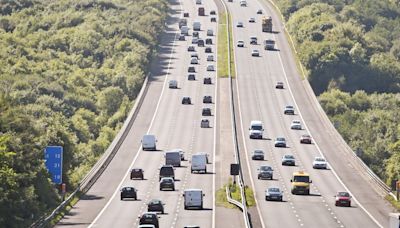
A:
x,y
288,159
280,142
265,172
273,193
258,155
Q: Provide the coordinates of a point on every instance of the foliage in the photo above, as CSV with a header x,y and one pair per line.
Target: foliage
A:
x,y
370,124
350,45
69,72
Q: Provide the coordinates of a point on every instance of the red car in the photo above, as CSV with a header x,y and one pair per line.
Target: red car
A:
x,y
343,199
305,139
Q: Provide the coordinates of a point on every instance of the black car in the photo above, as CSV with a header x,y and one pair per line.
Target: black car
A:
x,y
167,183
195,34
191,48
137,173
185,14
206,112
265,172
191,77
167,171
191,69
207,81
213,19
207,99
208,50
212,12
209,41
200,43
155,205
186,100
149,218
182,37
128,192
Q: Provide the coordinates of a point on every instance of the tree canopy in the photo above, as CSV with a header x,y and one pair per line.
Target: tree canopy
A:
x,y
70,71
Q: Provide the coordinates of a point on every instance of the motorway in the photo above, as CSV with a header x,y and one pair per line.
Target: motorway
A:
x,y
259,100
175,126
178,126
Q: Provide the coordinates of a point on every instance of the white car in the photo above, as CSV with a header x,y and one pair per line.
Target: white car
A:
x,y
252,20
210,68
194,60
255,53
320,163
210,58
296,125
239,24
240,43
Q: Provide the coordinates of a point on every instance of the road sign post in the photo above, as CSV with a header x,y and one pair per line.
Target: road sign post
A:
x,y
53,156
234,171
398,189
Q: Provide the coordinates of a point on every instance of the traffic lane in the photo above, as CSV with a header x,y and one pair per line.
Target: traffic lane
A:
x,y
292,136
311,160
160,123
354,178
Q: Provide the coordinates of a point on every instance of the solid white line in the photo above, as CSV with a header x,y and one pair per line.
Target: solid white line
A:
x,y
148,130
315,143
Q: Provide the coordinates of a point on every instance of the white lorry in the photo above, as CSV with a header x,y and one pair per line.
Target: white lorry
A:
x,y
193,198
199,163
173,158
149,142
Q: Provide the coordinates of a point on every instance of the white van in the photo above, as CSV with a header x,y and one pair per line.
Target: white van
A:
x,y
149,142
184,30
256,129
199,163
193,198
196,26
173,158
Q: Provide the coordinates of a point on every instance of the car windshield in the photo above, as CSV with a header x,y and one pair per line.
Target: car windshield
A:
x,y
289,107
344,194
265,168
301,179
167,170
168,180
273,190
256,127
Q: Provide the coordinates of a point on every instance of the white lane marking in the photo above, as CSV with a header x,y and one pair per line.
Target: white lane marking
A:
x,y
148,130
315,143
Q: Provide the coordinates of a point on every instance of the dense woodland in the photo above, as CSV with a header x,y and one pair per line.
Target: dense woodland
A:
x,y
354,46
70,71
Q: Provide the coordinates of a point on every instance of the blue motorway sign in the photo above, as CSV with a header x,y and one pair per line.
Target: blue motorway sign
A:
x,y
53,156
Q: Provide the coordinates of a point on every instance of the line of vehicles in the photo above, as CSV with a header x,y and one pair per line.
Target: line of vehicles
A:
x,y
192,197
300,179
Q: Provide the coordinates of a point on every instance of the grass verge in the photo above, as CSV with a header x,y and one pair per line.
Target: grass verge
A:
x,y
221,199
225,28
66,209
396,204
223,70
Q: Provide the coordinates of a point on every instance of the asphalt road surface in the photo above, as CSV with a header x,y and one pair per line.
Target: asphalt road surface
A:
x,y
259,100
175,126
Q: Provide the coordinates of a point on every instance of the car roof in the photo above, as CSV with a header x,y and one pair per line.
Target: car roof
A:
x,y
253,122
